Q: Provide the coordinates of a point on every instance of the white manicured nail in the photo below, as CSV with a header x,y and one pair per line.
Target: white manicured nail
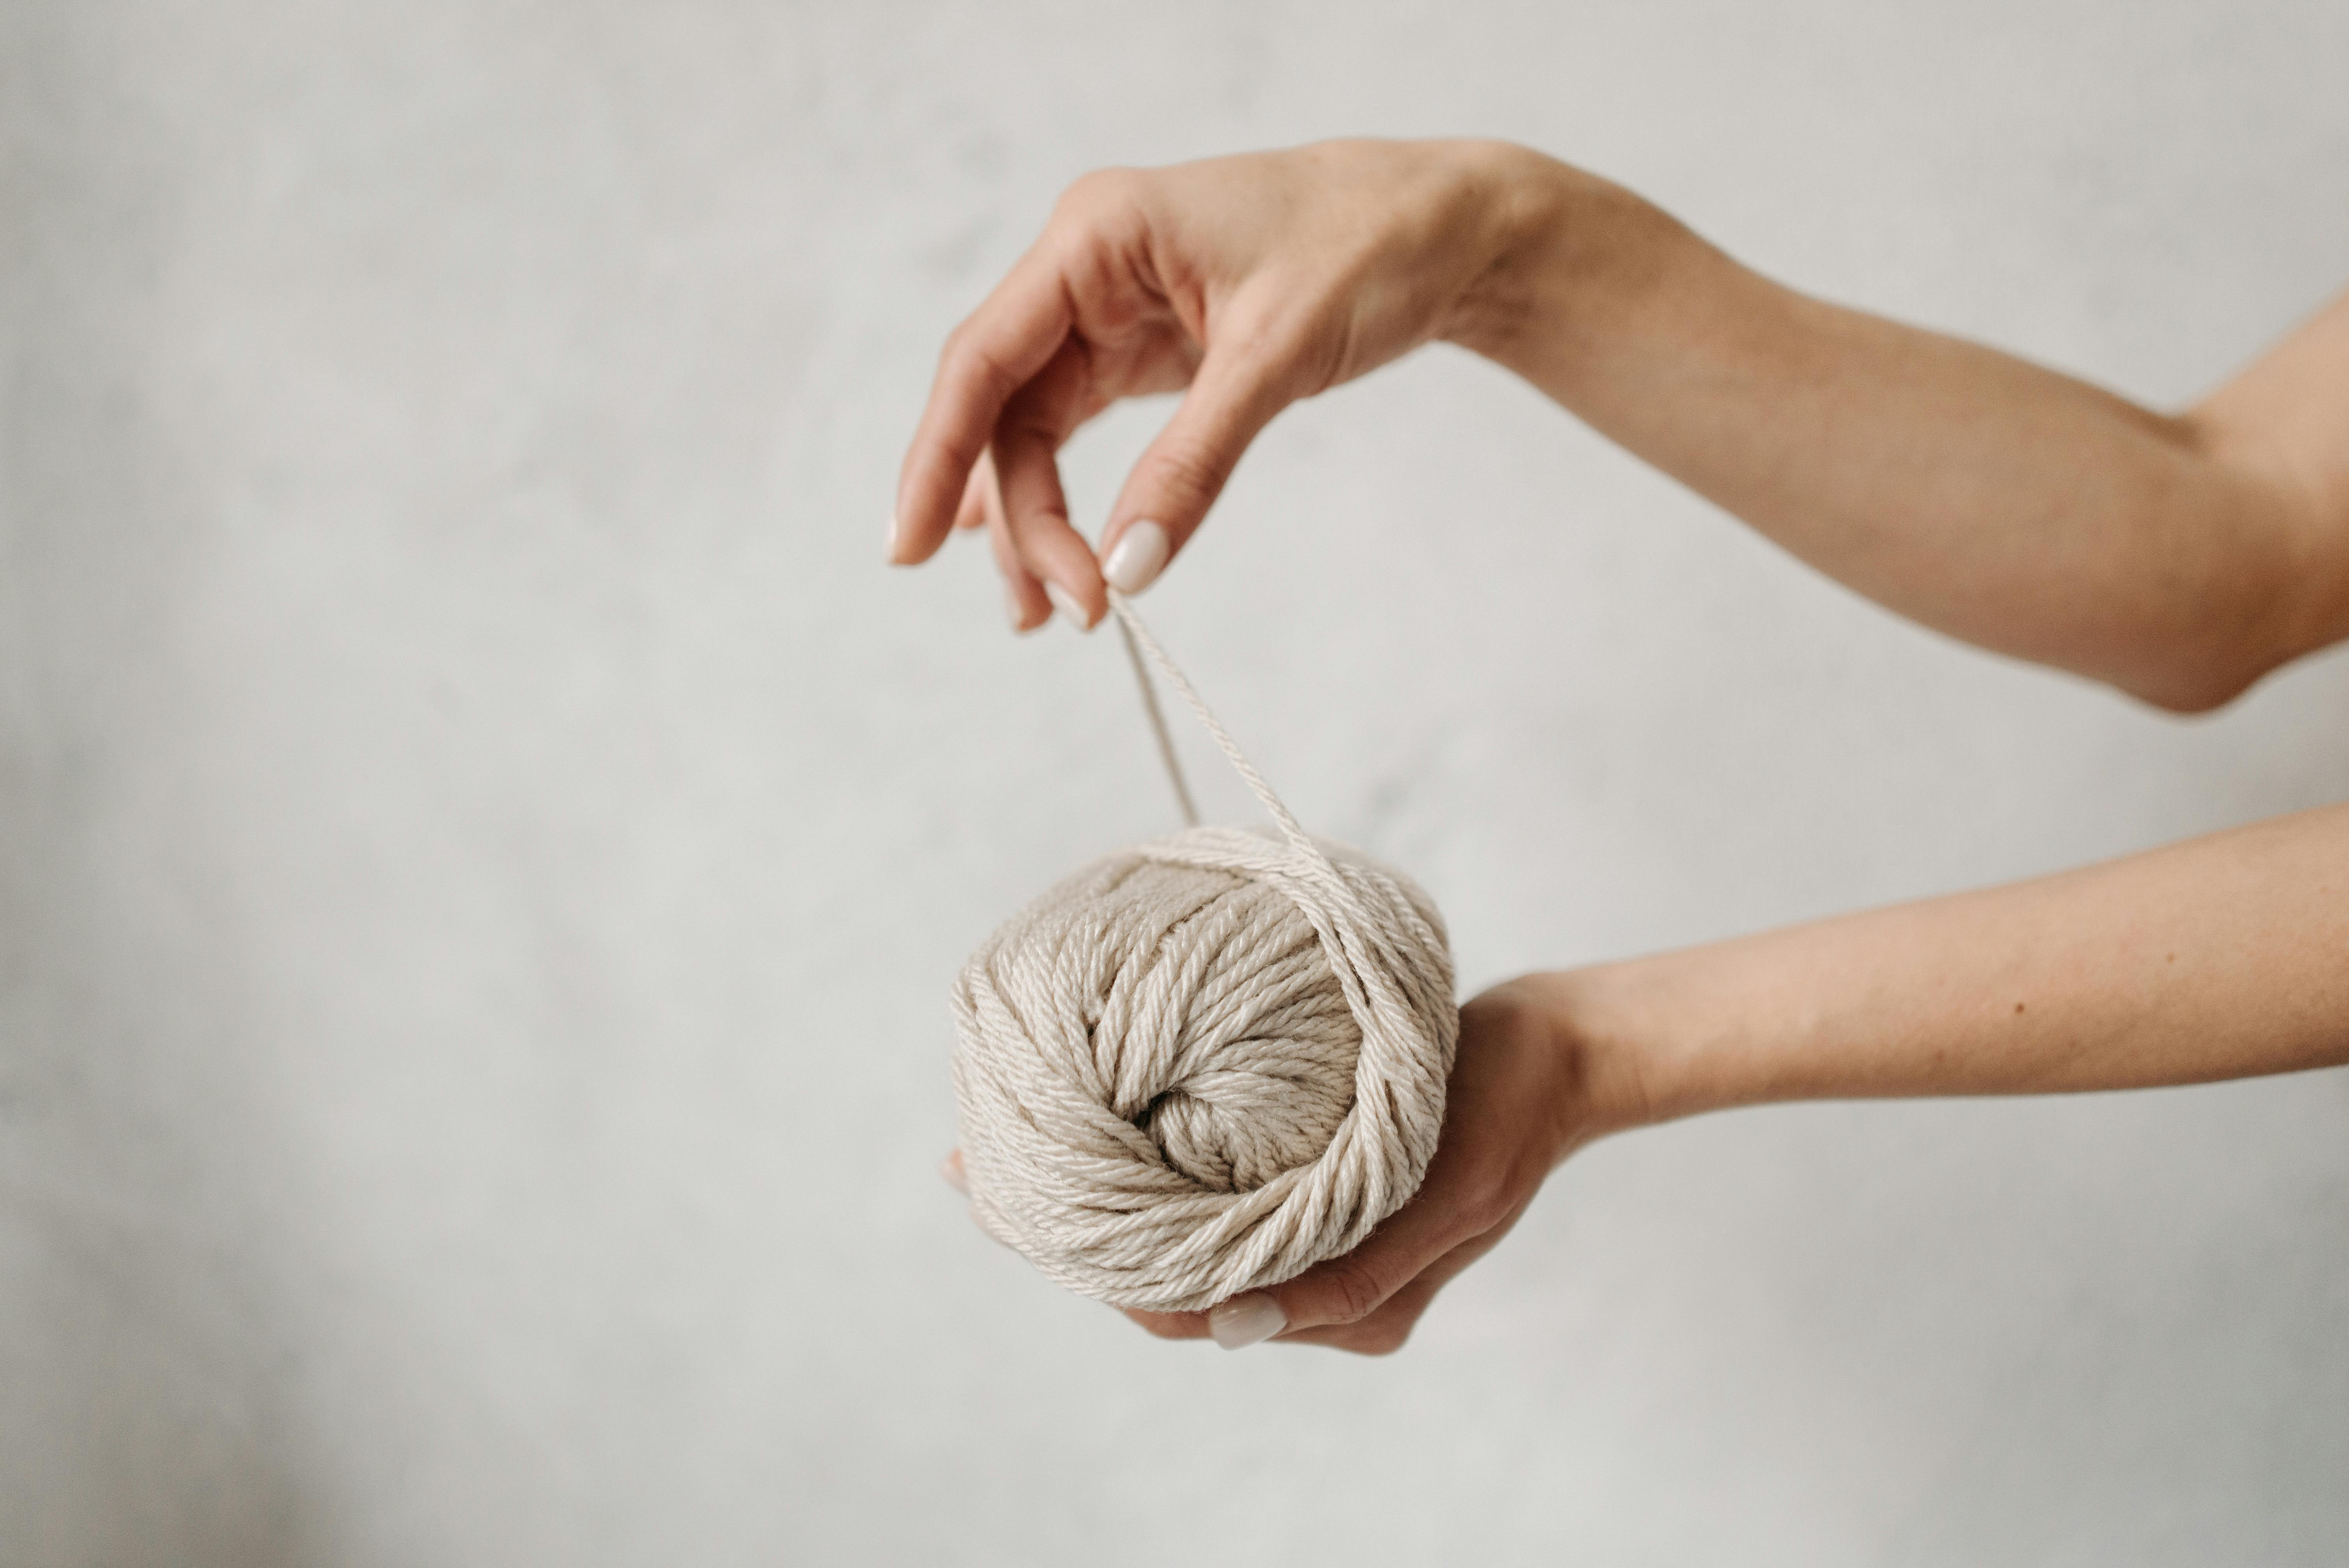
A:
x,y
1066,603
1140,556
892,536
1245,1320
951,1169
1019,611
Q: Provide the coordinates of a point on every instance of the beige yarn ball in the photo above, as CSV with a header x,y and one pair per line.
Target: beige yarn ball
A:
x,y
1202,1065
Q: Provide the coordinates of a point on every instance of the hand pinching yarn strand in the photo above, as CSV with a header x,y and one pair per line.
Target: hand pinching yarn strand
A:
x,y
1201,1065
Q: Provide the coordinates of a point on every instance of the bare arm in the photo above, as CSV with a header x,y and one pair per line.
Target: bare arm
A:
x,y
2222,957
2178,558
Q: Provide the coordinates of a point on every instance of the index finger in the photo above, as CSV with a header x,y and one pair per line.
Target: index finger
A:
x,y
1003,343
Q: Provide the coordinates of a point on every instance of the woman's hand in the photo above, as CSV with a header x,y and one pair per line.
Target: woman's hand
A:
x,y
2180,559
1528,1088
2216,958
1246,282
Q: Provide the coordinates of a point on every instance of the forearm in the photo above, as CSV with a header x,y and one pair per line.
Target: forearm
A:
x,y
1996,501
2222,957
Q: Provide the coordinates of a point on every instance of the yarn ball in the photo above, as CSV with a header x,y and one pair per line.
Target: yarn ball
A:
x,y
1204,1065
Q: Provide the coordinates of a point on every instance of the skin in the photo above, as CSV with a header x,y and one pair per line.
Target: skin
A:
x,y
2178,558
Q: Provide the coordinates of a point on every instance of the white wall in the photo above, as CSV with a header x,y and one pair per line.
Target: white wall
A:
x,y
486,842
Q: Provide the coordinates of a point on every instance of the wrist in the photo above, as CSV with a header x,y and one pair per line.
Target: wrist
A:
x,y
1552,234
1579,269
1602,1072
1643,1048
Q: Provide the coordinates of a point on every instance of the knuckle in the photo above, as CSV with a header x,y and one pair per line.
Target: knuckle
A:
x,y
1485,1205
956,345
982,364
1357,1290
1099,193
1185,474
969,356
1475,1189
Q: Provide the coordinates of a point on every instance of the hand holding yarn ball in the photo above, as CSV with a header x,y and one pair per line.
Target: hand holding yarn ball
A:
x,y
1213,1065
1200,1066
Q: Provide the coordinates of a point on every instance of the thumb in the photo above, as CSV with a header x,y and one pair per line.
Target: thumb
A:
x,y
1233,396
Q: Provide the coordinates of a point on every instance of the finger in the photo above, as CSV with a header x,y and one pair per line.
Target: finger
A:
x,y
1384,1331
1348,1289
1233,396
982,507
1380,1333
1337,1293
1023,595
1170,1324
1027,481
986,360
978,495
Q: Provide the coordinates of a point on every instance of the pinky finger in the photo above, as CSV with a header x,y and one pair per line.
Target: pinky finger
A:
x,y
1024,597
980,498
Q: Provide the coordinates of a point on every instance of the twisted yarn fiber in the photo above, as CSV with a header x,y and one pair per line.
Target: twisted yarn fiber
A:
x,y
1202,1065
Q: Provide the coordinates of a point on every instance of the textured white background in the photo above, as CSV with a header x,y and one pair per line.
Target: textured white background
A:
x,y
485,842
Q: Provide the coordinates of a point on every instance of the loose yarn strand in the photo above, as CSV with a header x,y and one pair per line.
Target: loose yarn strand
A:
x,y
1167,753
1135,632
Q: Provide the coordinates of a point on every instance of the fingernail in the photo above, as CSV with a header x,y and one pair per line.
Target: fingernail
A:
x,y
892,536
951,1169
1019,611
1140,556
1245,1320
1066,603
